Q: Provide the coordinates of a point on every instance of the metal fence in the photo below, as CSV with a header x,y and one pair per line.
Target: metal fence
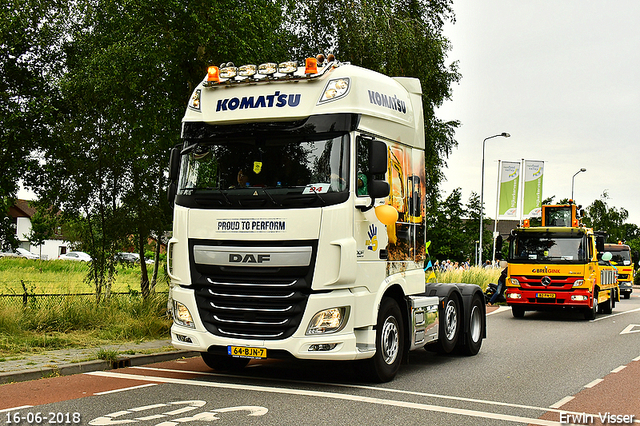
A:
x,y
41,301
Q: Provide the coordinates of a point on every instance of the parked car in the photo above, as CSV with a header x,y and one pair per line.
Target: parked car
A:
x,y
26,253
75,255
131,258
127,257
19,252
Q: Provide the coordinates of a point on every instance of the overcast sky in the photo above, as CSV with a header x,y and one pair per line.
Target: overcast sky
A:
x,y
563,78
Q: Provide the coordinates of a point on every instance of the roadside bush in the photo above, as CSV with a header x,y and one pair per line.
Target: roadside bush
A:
x,y
474,275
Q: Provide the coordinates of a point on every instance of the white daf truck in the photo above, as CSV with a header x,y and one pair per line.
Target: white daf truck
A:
x,y
299,222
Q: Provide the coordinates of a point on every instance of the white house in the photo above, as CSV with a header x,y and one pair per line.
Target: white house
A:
x,y
21,213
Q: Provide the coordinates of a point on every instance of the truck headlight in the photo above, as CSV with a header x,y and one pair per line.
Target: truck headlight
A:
x,y
328,321
514,281
182,316
578,283
335,89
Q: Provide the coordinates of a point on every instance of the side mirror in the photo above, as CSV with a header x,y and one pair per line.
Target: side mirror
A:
x,y
378,189
378,160
174,164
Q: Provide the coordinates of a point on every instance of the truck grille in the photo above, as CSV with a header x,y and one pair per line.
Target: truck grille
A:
x,y
249,302
256,309
555,282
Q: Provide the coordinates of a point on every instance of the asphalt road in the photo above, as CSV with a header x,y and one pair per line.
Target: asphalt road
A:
x,y
535,370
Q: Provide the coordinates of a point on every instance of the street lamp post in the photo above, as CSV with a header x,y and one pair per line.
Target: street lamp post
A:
x,y
573,179
505,135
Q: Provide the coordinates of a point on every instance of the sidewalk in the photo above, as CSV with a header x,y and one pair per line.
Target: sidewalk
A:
x,y
65,362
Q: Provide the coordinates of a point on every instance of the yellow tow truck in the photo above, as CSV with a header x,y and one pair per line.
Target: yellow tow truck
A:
x,y
560,264
621,259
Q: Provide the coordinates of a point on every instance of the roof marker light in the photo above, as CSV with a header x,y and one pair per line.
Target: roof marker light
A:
x,y
213,74
311,66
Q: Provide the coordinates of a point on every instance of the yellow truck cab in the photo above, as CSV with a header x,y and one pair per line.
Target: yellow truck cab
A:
x,y
621,259
560,264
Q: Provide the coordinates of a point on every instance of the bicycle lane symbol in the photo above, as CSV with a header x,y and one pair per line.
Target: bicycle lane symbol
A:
x,y
116,418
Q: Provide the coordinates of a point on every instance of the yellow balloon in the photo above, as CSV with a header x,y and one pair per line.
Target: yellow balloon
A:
x,y
387,214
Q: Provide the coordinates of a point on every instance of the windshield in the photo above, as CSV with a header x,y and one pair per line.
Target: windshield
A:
x,y
263,172
548,247
620,256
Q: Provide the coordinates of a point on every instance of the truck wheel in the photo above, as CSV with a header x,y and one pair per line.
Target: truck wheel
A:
x,y
607,307
476,323
590,314
627,295
449,327
389,342
223,362
517,311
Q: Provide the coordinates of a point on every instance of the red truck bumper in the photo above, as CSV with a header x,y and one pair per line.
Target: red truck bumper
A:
x,y
548,298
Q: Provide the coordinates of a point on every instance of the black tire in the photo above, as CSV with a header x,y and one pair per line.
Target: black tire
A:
x,y
607,307
627,295
614,298
517,311
590,314
385,364
476,320
449,325
223,362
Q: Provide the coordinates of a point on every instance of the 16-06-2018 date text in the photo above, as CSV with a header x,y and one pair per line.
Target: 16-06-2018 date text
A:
x,y
50,418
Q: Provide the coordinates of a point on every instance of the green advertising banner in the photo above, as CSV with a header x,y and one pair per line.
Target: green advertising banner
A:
x,y
533,173
509,185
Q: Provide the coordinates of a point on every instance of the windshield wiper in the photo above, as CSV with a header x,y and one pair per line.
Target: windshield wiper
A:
x,y
271,198
318,195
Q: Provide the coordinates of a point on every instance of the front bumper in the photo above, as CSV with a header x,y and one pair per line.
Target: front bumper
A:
x,y
575,298
625,286
348,344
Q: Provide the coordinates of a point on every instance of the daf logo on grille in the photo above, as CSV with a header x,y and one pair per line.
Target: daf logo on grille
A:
x,y
546,281
249,258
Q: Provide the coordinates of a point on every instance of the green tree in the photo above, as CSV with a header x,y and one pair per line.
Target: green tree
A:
x,y
449,239
601,217
29,52
472,226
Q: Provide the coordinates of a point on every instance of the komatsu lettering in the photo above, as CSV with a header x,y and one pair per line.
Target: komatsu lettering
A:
x,y
249,102
391,102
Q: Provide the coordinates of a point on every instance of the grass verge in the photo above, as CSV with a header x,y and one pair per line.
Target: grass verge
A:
x,y
79,322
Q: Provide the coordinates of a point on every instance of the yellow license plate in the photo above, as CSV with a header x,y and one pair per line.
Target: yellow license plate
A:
x,y
546,296
245,352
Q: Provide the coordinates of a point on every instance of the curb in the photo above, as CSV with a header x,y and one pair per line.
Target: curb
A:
x,y
123,361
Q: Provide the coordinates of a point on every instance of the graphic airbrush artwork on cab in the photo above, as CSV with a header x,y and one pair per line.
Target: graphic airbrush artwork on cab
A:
x,y
406,177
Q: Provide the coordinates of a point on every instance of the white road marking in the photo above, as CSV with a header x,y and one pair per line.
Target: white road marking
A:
x,y
615,315
500,309
592,384
562,402
637,358
334,395
22,407
630,329
617,370
126,389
